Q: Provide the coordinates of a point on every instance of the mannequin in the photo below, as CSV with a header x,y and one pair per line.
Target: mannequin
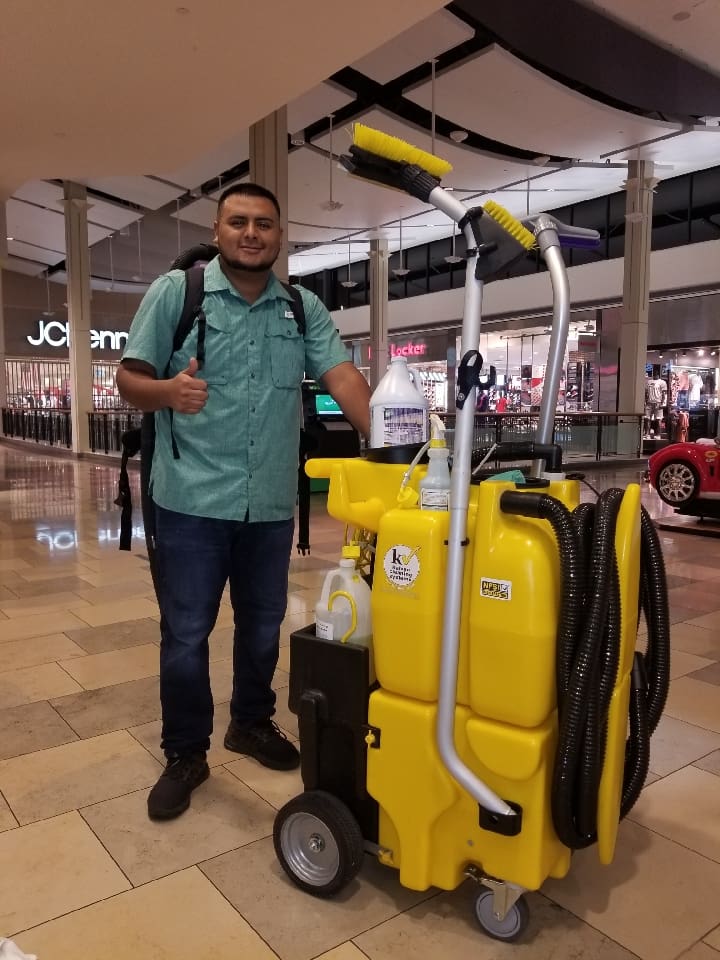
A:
x,y
695,382
655,400
680,425
683,385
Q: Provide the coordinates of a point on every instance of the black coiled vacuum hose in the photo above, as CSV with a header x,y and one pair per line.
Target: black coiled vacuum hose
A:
x,y
588,644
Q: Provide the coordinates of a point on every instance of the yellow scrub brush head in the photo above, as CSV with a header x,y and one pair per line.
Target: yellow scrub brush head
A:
x,y
510,224
393,162
500,240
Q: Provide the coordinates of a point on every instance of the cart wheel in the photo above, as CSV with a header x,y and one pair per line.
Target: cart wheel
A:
x,y
318,843
511,926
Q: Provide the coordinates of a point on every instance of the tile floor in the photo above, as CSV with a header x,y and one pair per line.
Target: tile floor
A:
x,y
85,876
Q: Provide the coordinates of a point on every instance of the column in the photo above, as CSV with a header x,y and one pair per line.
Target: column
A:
x,y
269,168
3,255
636,292
77,258
378,310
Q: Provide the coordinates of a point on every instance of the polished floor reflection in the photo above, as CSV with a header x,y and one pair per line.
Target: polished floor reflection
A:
x,y
85,876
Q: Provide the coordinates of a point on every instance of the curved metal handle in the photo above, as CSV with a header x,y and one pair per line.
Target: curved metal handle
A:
x,y
568,235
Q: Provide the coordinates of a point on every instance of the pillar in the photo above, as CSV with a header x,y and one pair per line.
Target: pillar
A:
x,y
378,310
269,168
77,257
636,288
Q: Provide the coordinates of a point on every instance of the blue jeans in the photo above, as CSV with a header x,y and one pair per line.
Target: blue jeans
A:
x,y
196,556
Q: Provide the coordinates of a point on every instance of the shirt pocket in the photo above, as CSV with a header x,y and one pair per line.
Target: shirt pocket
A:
x,y
287,358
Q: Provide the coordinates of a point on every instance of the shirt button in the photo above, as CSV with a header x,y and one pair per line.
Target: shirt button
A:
x,y
252,409
252,343
252,443
252,376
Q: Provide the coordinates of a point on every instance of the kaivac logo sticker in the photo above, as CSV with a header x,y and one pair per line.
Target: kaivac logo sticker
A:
x,y
402,565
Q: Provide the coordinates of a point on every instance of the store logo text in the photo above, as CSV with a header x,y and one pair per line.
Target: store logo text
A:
x,y
56,334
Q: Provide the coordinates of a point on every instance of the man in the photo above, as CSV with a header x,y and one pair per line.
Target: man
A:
x,y
224,478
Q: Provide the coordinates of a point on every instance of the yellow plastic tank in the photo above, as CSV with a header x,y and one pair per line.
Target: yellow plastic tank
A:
x,y
512,608
408,599
429,826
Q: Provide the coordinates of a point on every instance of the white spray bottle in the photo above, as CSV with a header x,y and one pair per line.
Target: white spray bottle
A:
x,y
435,485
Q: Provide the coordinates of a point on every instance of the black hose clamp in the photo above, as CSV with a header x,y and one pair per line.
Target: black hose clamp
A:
x,y
470,375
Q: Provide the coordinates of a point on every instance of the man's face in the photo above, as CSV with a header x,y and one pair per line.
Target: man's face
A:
x,y
247,233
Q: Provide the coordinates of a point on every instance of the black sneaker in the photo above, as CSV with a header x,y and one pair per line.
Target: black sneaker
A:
x,y
171,794
265,742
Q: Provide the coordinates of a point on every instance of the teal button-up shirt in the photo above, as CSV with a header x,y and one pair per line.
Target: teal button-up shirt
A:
x,y
239,454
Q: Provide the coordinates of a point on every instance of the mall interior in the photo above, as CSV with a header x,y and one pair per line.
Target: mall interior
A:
x,y
115,156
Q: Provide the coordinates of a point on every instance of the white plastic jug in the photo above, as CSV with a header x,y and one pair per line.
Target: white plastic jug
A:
x,y
398,411
343,612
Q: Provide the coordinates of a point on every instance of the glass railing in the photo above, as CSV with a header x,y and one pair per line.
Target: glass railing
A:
x,y
582,436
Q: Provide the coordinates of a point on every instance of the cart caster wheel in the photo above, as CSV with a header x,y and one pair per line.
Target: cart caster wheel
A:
x,y
511,926
318,843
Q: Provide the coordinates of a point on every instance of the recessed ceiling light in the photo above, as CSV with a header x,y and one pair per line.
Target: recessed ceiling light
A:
x,y
459,136
9,238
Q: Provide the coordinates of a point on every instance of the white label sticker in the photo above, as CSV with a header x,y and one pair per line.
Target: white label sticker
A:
x,y
289,315
401,565
495,589
324,630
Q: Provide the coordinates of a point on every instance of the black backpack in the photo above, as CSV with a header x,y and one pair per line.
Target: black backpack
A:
x,y
142,439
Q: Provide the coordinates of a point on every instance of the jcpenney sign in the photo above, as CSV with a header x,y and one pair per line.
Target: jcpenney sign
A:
x,y
56,334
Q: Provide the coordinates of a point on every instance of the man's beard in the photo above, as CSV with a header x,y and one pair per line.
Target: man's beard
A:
x,y
259,267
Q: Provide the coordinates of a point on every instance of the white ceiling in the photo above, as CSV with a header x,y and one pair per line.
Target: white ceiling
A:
x,y
539,113
171,100
424,41
124,89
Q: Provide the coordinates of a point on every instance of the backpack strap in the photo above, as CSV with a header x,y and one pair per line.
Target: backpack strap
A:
x,y
130,441
192,310
298,307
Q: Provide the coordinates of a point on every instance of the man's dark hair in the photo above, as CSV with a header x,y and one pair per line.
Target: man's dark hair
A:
x,y
249,190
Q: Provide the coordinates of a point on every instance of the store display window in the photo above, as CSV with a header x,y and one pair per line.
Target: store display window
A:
x,y
45,384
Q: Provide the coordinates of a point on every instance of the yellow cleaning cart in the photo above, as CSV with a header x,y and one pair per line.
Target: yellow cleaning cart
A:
x,y
484,733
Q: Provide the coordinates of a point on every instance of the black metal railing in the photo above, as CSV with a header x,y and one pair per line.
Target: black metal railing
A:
x,y
54,427
107,428
582,436
51,427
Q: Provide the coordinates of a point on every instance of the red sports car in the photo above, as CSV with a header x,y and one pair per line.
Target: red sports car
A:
x,y
682,472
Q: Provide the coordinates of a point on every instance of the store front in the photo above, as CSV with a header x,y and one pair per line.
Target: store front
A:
x,y
37,364
430,358
681,381
518,358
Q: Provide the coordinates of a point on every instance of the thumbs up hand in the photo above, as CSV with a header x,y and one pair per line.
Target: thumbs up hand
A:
x,y
188,393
